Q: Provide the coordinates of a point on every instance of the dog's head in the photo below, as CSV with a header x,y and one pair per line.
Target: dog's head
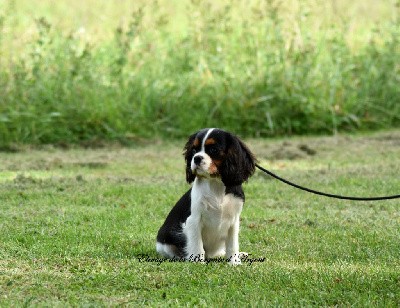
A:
x,y
214,153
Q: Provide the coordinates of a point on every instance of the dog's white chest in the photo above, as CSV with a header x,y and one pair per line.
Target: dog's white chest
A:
x,y
218,210
215,210
208,197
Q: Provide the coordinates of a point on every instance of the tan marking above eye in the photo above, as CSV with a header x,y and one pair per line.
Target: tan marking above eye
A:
x,y
210,141
196,142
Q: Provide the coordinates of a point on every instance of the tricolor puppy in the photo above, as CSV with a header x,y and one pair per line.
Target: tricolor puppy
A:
x,y
204,223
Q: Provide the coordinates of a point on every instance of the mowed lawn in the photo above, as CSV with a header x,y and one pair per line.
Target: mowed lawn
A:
x,y
73,223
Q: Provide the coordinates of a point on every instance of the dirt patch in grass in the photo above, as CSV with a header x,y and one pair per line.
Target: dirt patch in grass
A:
x,y
290,151
300,148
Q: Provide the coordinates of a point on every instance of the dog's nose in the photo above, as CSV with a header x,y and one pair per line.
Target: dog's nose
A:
x,y
197,159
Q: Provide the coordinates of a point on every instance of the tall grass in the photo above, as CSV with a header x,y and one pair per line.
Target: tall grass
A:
x,y
241,67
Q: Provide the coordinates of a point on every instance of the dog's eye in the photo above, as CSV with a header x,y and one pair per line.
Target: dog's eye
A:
x,y
213,150
194,151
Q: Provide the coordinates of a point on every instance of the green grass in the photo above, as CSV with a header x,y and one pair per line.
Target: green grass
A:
x,y
105,70
73,222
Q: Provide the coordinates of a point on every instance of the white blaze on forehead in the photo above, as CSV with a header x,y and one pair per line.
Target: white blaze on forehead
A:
x,y
205,138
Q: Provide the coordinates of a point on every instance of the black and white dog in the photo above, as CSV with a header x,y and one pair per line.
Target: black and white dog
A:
x,y
204,223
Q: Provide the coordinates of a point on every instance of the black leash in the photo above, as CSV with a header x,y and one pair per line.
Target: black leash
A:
x,y
325,194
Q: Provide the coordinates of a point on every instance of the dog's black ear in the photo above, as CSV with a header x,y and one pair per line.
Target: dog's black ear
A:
x,y
239,163
188,152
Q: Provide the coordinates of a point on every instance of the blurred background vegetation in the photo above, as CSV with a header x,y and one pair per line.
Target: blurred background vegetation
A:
x,y
112,70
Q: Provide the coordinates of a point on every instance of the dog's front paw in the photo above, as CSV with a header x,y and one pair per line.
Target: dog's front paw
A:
x,y
196,257
235,259
235,262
